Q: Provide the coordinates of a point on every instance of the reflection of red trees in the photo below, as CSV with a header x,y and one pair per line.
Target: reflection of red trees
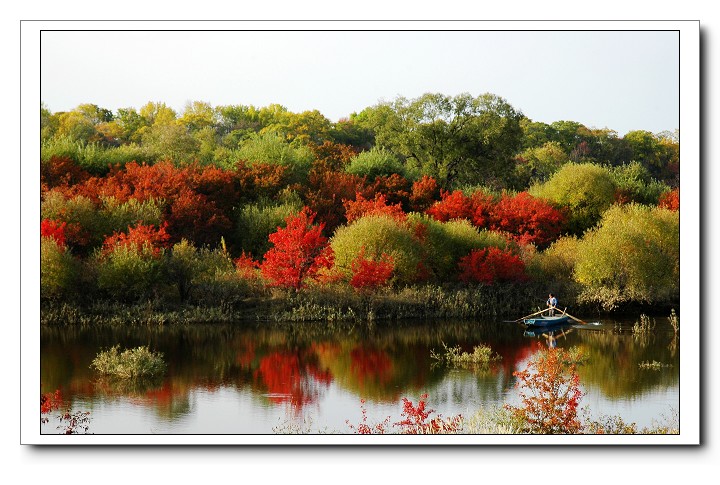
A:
x,y
162,395
280,375
370,364
288,379
246,356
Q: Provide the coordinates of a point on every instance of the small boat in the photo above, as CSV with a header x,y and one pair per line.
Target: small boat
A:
x,y
545,321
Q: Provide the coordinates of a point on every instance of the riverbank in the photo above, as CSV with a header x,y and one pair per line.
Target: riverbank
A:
x,y
324,304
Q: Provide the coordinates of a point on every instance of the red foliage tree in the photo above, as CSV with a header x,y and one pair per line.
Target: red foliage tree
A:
x,y
326,193
61,172
261,179
54,230
394,187
299,252
246,266
492,265
221,187
483,209
529,219
424,193
194,217
140,237
368,274
670,200
417,419
550,394
455,205
332,156
355,209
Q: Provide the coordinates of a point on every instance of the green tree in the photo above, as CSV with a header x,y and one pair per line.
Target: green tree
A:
x,y
270,148
171,141
59,270
375,235
374,163
634,183
632,256
81,123
444,243
48,123
584,190
456,140
539,163
198,115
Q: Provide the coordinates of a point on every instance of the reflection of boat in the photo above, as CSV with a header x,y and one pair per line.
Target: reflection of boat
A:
x,y
538,331
545,321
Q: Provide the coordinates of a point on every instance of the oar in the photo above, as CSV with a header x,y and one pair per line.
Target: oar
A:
x,y
576,319
526,316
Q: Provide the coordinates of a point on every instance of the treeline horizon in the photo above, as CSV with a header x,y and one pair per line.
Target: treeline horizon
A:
x,y
482,140
433,190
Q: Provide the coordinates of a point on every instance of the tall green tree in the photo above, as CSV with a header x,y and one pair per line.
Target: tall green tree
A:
x,y
457,140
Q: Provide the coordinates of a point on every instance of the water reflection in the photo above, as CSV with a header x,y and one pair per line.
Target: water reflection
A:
x,y
303,370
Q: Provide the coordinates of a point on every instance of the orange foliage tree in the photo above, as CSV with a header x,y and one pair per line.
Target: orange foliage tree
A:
x,y
550,394
670,200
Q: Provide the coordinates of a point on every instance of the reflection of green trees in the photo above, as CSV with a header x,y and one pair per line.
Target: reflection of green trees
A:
x,y
375,362
613,363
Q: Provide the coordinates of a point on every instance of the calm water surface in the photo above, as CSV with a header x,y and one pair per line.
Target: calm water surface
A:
x,y
257,380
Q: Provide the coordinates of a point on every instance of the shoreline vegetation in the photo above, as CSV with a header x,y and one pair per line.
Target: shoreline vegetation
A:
x,y
429,303
426,208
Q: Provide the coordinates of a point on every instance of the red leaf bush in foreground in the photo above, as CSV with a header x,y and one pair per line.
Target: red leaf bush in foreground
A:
x,y
369,274
299,252
550,393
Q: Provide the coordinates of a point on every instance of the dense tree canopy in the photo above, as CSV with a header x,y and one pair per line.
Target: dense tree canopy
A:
x,y
404,192
456,140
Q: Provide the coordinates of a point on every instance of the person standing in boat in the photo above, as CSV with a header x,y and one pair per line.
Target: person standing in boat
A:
x,y
552,303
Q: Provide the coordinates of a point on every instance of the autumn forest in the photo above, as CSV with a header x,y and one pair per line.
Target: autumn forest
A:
x,y
438,206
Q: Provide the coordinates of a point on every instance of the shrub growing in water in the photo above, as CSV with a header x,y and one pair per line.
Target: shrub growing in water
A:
x,y
130,363
550,393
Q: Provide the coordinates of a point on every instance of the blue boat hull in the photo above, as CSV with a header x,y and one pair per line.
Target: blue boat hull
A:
x,y
546,321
